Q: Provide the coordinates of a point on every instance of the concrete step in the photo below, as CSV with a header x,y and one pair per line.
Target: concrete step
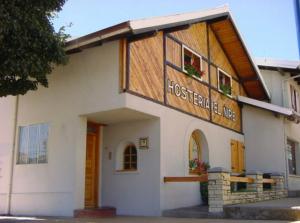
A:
x,y
103,212
294,193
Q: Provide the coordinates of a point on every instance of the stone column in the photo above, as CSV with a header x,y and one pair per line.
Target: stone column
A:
x,y
279,186
257,185
279,179
218,188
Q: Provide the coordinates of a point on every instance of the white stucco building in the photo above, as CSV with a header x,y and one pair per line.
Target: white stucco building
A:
x,y
282,79
123,114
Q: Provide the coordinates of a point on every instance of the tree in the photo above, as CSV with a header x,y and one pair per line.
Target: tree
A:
x,y
29,45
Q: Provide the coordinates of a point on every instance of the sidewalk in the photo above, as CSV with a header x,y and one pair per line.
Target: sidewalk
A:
x,y
124,220
282,209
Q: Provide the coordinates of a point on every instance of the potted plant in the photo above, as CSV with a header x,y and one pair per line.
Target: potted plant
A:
x,y
193,71
226,89
201,167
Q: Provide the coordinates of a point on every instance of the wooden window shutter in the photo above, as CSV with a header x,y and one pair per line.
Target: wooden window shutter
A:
x,y
241,157
234,156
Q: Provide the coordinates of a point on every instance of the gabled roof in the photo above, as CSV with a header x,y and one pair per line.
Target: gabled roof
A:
x,y
139,26
222,24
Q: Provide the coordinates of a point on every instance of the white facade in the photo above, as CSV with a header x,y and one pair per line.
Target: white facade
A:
x,y
266,149
279,84
88,89
264,140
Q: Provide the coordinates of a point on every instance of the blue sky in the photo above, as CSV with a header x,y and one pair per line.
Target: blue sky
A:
x,y
268,26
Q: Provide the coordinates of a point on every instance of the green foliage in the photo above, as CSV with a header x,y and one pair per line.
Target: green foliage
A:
x,y
29,45
226,89
192,71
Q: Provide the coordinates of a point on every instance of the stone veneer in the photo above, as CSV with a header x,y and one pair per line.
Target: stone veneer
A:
x,y
219,190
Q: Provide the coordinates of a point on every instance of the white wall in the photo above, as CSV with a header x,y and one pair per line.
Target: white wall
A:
x,y
89,83
132,193
294,182
264,140
273,80
176,128
280,95
7,120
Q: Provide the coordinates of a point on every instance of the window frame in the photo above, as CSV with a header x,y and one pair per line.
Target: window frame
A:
x,y
38,125
130,162
182,60
294,162
197,138
294,98
227,75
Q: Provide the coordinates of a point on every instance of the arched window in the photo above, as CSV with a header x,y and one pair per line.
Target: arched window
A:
x,y
194,151
130,158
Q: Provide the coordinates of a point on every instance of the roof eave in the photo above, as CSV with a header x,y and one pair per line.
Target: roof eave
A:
x,y
180,23
266,106
100,36
133,28
250,58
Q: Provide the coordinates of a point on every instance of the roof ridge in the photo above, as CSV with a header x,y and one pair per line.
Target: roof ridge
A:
x,y
225,7
178,17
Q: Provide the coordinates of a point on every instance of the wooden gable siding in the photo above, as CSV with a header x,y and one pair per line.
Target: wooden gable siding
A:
x,y
174,56
194,37
236,87
213,76
191,84
218,56
229,103
156,61
146,67
173,52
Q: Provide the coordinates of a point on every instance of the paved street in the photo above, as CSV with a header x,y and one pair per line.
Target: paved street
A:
x,y
125,220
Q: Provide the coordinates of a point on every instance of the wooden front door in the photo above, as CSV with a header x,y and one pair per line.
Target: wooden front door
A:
x,y
92,167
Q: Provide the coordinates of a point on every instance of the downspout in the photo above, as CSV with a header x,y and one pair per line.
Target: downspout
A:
x,y
285,155
12,157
